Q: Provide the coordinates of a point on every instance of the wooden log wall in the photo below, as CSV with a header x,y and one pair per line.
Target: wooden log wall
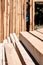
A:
x,y
12,17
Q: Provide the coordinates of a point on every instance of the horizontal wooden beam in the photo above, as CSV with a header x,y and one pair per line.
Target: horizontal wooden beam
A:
x,y
11,55
25,58
33,45
40,30
38,0
37,35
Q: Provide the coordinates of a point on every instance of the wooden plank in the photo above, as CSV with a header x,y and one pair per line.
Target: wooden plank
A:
x,y
9,41
22,15
20,27
17,17
31,15
11,55
5,41
3,55
12,39
40,30
37,34
11,16
5,18
25,58
8,21
38,0
14,16
34,45
25,15
1,49
0,20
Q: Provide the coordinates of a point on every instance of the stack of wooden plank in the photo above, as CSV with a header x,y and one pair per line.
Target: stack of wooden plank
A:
x,y
33,41
13,53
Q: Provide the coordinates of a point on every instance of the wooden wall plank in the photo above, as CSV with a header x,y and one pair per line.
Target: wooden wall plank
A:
x,y
25,15
31,14
22,15
20,29
14,15
8,21
5,18
0,20
11,16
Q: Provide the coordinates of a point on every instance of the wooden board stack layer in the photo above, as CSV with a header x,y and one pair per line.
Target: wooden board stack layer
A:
x,y
33,45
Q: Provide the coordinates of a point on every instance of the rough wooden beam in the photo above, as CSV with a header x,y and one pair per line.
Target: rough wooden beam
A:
x,y
11,16
34,46
38,0
3,55
0,21
5,19
12,39
31,14
1,50
11,55
25,58
37,35
8,21
14,16
40,30
9,41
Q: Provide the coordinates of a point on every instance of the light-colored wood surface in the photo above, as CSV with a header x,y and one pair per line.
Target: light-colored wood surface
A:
x,y
40,30
3,56
0,20
9,41
12,17
12,39
22,52
37,34
5,18
34,45
1,50
12,57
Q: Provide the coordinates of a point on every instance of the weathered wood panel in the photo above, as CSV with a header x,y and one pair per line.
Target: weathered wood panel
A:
x,y
12,17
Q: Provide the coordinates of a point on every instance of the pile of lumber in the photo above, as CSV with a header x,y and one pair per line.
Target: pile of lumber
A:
x,y
33,41
13,53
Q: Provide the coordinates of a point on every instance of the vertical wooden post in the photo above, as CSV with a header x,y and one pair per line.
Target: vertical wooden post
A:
x,y
18,18
25,15
22,15
11,16
31,14
5,18
0,20
20,21
14,15
8,6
